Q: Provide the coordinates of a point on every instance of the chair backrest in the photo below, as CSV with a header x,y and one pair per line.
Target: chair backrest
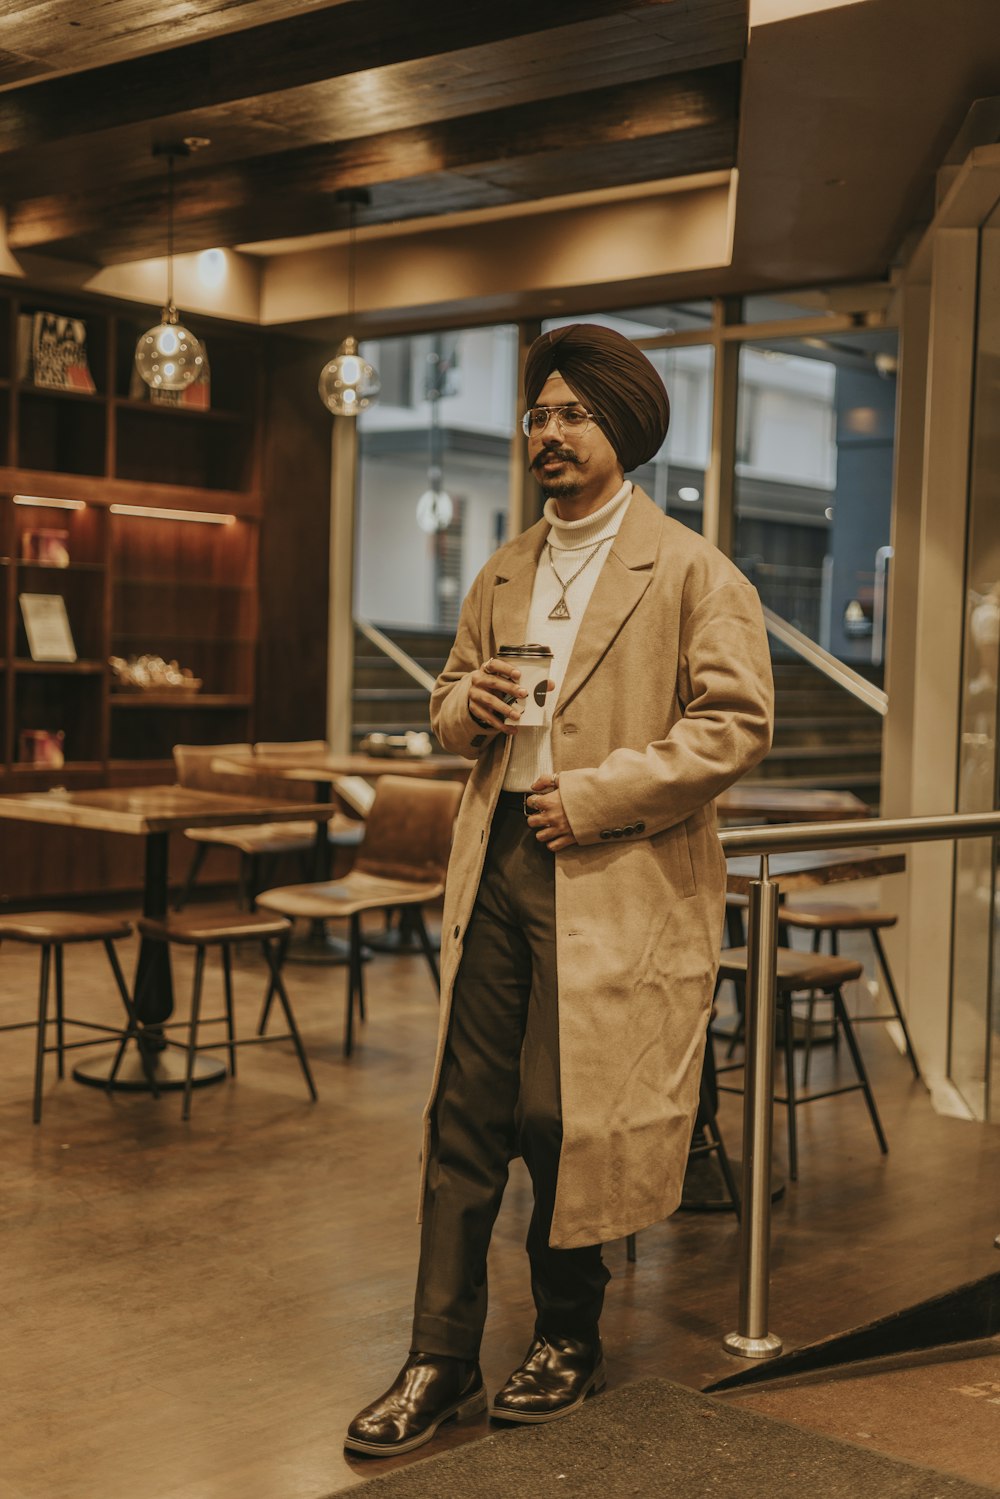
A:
x,y
193,766
409,828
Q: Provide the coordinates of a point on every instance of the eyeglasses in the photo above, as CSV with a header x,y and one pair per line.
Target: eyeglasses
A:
x,y
566,418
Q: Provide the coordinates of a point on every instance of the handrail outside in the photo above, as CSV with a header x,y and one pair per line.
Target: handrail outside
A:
x,y
752,1338
395,653
838,671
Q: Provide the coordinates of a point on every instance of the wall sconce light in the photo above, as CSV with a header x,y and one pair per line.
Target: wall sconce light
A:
x,y
348,383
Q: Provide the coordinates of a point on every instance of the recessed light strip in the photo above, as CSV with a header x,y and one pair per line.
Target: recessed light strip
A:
x,y
49,501
203,517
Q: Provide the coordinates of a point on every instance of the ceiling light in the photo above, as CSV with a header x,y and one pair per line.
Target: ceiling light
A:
x,y
169,357
348,383
212,268
689,494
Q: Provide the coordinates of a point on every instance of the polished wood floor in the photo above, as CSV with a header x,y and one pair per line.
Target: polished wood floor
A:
x,y
195,1311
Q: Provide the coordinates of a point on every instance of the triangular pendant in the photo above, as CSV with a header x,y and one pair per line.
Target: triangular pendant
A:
x,y
561,610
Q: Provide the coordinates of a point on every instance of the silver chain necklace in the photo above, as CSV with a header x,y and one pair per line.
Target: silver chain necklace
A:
x,y
561,609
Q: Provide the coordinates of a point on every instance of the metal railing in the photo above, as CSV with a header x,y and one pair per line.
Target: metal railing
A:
x,y
752,1338
838,671
395,653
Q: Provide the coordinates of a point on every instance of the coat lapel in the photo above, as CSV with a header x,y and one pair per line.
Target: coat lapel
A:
x,y
513,585
623,580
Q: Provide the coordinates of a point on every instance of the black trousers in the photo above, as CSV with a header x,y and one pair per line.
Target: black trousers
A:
x,y
499,1097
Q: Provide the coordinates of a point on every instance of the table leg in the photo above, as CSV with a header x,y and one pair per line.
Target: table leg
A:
x,y
151,1064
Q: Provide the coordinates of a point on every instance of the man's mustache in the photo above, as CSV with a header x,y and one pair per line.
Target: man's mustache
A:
x,y
565,454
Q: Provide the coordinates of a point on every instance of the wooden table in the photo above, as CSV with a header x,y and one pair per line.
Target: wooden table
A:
x,y
324,767
152,813
810,871
757,799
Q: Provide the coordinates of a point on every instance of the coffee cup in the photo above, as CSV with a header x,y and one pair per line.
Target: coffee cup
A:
x,y
534,662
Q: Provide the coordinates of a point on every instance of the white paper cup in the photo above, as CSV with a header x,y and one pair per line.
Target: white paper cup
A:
x,y
535,667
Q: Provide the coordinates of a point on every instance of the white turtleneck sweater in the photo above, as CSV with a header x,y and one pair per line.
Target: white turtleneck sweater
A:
x,y
531,751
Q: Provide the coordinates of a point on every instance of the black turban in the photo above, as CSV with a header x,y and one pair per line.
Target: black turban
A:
x,y
612,378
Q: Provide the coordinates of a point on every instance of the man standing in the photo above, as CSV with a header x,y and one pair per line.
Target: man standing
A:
x,y
585,894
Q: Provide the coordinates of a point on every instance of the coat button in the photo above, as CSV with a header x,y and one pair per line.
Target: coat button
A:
x,y
627,832
640,827
617,832
606,833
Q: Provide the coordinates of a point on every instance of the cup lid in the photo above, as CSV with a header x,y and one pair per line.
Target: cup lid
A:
x,y
524,650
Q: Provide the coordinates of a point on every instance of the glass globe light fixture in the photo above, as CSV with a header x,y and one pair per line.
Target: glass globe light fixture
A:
x,y
349,384
169,357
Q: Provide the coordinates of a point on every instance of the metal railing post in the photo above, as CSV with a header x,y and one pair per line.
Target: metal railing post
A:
x,y
752,1339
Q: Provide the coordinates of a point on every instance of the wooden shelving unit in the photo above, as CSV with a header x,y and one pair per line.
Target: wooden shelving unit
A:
x,y
186,590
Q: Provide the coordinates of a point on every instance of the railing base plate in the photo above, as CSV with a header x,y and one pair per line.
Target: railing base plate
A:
x,y
768,1346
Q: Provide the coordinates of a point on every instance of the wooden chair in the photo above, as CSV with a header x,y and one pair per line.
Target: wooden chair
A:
x,y
51,931
222,930
402,862
826,917
811,972
255,843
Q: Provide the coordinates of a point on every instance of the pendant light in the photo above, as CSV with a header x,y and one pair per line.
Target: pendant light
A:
x,y
348,383
169,357
435,507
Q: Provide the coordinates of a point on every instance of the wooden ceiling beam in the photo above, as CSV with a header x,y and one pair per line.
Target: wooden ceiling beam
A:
x,y
294,191
286,54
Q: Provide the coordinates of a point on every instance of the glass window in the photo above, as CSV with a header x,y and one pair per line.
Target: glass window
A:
x,y
777,306
433,480
974,1062
815,431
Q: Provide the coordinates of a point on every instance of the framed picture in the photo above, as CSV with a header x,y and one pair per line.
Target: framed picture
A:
x,y
46,625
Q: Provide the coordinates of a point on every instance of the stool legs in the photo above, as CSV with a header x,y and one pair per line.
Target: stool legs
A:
x,y
894,998
60,1012
273,956
43,1019
227,979
844,1019
199,975
425,943
788,1028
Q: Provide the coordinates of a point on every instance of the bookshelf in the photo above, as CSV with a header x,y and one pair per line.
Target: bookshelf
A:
x,y
160,508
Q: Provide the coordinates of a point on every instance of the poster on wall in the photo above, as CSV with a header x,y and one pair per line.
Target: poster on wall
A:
x,y
59,353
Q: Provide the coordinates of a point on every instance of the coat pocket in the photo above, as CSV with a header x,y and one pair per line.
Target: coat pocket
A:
x,y
673,847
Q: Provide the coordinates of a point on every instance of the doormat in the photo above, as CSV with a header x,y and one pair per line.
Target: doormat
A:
x,y
655,1438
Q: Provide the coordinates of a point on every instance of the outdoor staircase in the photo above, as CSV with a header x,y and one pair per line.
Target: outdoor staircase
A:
x,y
823,736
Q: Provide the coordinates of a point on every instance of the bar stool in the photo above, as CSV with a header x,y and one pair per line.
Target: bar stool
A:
x,y
202,931
826,917
798,971
51,931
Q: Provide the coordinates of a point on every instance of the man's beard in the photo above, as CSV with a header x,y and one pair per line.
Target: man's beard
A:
x,y
567,483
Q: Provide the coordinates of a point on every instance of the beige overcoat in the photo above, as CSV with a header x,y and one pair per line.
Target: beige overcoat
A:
x,y
666,701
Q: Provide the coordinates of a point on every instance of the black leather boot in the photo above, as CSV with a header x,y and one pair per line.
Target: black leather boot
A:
x,y
555,1378
427,1391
